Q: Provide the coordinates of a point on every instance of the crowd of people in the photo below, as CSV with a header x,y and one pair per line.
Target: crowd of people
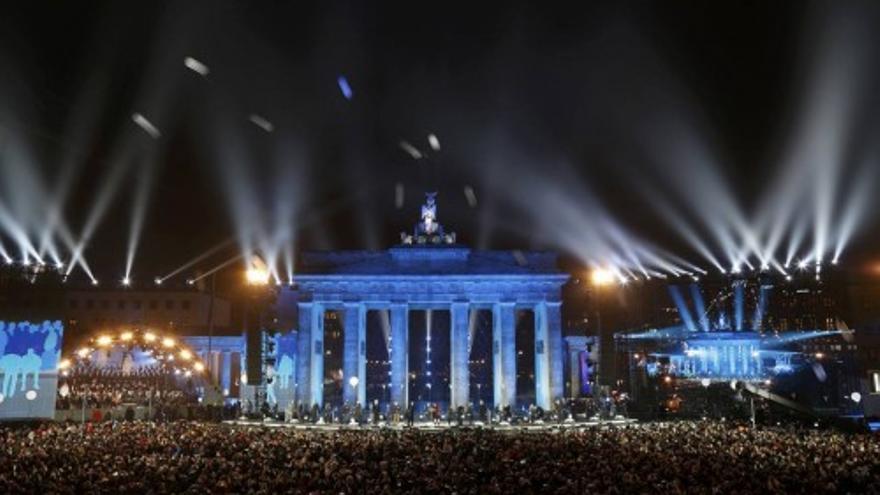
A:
x,y
190,457
111,387
432,412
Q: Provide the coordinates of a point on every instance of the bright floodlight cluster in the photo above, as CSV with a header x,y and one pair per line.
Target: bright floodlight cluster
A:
x,y
164,349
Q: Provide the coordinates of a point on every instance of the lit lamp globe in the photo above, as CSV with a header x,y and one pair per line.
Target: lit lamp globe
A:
x,y
353,381
30,395
856,397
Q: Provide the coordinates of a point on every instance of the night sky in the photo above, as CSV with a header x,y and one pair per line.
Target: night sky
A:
x,y
502,88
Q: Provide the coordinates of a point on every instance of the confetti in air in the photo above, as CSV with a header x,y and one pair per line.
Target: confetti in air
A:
x,y
262,123
196,66
520,258
470,196
345,88
412,150
398,195
146,125
434,142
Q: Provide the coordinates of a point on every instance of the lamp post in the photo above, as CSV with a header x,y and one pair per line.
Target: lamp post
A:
x,y
257,276
600,278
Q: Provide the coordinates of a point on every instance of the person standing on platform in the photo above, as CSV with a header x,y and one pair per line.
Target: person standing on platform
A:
x,y
411,414
395,413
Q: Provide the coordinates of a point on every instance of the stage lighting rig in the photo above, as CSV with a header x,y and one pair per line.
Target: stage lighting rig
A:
x,y
601,276
258,273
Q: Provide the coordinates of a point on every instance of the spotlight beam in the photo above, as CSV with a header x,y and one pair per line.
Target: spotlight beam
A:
x,y
218,267
106,193
5,254
138,213
855,208
212,250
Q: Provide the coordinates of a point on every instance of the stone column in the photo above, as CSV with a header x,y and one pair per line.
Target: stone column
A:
x,y
303,353
504,353
458,353
310,354
362,354
354,359
574,361
226,373
556,351
542,357
216,363
235,371
316,373
399,354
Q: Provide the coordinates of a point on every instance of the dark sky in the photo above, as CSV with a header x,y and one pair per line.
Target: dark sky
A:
x,y
529,80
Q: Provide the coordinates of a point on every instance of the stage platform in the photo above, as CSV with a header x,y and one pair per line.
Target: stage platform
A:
x,y
431,427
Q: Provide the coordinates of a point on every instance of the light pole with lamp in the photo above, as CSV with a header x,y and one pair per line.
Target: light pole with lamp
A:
x,y
599,278
257,276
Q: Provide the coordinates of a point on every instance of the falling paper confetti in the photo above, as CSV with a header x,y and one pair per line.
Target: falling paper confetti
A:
x,y
520,258
261,123
398,195
146,125
196,66
434,142
819,371
412,150
470,196
345,87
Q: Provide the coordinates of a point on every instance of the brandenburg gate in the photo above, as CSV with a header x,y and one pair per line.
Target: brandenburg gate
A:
x,y
429,271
